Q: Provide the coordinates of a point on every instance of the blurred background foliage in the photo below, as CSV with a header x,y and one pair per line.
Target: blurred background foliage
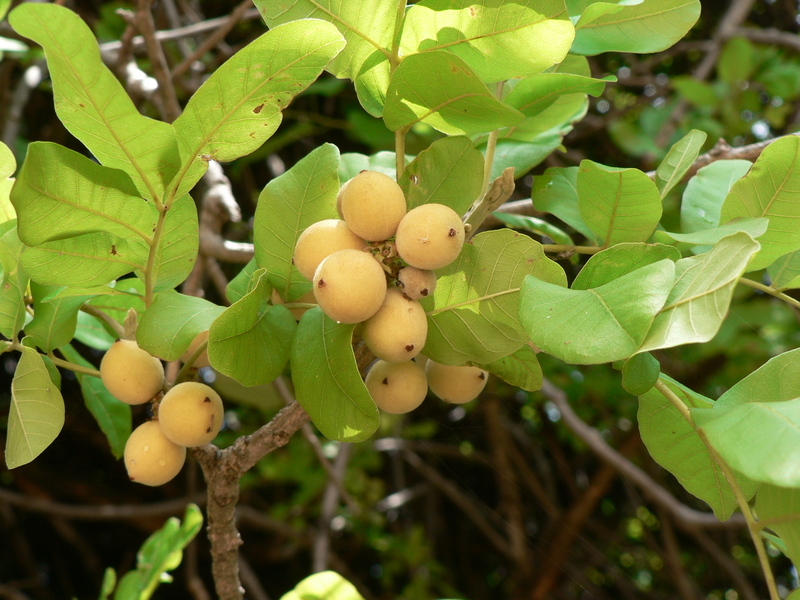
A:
x,y
493,500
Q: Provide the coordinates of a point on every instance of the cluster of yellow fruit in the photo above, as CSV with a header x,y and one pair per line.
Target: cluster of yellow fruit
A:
x,y
188,415
371,267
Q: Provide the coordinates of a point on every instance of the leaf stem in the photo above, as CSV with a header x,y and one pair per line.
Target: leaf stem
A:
x,y
568,250
115,325
149,282
769,290
491,145
752,524
400,151
186,367
65,364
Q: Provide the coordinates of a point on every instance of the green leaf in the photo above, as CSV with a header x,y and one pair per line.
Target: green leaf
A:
x,y
674,444
754,227
439,89
36,415
92,103
770,190
736,61
327,585
91,332
250,340
612,263
172,321
240,285
108,584
327,382
534,94
556,192
472,316
678,160
449,171
699,93
240,105
781,504
14,284
522,155
599,325
777,380
352,163
520,369
488,35
303,195
113,416
698,303
640,373
7,167
160,553
619,205
54,321
535,225
706,191
785,271
177,246
646,27
737,432
129,293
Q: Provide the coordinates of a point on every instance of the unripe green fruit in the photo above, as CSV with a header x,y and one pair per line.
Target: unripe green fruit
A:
x,y
397,388
319,241
150,458
430,236
397,332
131,374
190,414
416,283
202,360
350,286
372,204
456,385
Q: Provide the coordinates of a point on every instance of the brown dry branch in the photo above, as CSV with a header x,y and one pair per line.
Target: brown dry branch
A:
x,y
222,470
168,105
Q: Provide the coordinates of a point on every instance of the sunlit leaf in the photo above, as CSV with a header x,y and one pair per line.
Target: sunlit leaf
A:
x,y
598,325
473,314
36,415
327,382
303,195
556,192
439,89
678,160
177,246
92,103
54,321
706,191
14,282
699,301
488,35
7,167
770,190
534,94
754,227
618,260
785,271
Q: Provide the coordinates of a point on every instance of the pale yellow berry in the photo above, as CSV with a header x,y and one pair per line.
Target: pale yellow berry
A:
x,y
397,388
150,458
454,384
131,374
190,414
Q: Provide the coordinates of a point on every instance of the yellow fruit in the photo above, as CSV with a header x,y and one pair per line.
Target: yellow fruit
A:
x,y
190,414
372,205
397,332
319,241
430,236
396,388
416,283
456,385
349,286
131,374
202,360
150,458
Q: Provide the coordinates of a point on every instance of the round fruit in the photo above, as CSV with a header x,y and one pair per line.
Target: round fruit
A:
x,y
397,332
190,414
349,286
372,204
416,283
456,385
202,360
430,236
319,241
131,374
397,388
150,458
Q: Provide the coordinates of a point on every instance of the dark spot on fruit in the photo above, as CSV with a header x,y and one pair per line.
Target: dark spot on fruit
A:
x,y
207,399
385,381
409,347
423,292
208,430
258,108
482,376
452,232
321,283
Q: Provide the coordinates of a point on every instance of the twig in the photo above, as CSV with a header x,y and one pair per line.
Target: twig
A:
x,y
250,580
330,499
687,518
672,558
169,106
727,563
771,37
